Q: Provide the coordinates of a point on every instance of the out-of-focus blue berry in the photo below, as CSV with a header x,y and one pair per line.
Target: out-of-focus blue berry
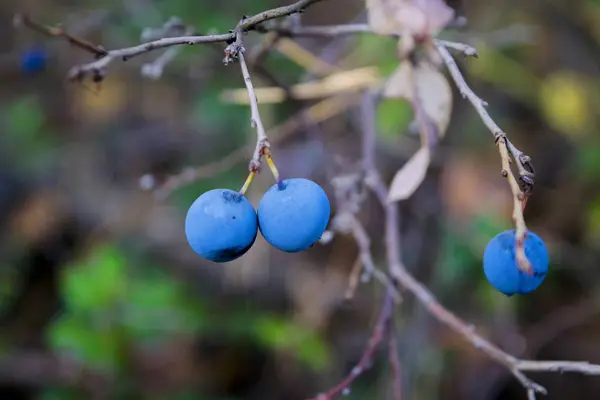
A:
x,y
221,225
34,60
500,265
293,216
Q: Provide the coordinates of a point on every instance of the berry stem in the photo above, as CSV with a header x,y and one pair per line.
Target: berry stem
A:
x,y
249,180
273,168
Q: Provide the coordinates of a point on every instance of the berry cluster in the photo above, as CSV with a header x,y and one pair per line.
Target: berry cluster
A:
x,y
500,265
221,225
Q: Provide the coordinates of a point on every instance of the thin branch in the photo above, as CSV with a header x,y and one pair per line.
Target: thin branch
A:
x,y
27,21
465,91
262,141
354,278
428,300
503,148
155,69
246,25
466,49
316,31
349,196
375,182
376,338
393,352
364,245
581,367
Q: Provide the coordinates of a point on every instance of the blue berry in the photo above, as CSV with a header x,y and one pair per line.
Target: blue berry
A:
x,y
292,216
221,225
34,60
500,265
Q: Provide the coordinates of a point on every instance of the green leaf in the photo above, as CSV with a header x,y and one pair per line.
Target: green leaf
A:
x,y
489,225
376,50
97,282
279,333
458,258
57,393
25,118
393,117
89,343
24,122
158,306
588,162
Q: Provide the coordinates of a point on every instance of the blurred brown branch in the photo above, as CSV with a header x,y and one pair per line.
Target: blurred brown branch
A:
x,y
25,20
377,336
44,369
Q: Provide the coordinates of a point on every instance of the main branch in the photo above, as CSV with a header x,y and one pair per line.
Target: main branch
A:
x,y
129,52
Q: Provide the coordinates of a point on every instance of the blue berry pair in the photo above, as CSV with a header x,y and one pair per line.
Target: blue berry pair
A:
x,y
221,225
500,265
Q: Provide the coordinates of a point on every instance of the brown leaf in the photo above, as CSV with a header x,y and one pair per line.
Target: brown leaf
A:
x,y
409,17
435,93
410,176
398,85
424,17
380,16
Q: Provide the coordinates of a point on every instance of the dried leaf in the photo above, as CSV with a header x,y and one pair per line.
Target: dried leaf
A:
x,y
424,17
434,91
409,177
398,85
409,17
380,16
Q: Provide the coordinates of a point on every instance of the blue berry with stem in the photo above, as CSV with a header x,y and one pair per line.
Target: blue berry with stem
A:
x,y
293,214
221,225
500,264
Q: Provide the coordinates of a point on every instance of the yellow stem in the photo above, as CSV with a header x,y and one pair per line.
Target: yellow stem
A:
x,y
272,167
248,182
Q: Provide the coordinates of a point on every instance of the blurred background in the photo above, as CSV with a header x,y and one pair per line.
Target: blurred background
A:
x,y
101,297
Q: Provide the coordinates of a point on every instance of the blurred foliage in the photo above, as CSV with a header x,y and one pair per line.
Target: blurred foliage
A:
x,y
111,283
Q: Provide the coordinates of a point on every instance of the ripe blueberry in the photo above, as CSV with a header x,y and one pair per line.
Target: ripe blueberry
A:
x,y
500,265
292,216
221,225
34,60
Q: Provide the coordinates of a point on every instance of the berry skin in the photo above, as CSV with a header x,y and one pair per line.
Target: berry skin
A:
x,y
294,216
221,225
34,60
500,265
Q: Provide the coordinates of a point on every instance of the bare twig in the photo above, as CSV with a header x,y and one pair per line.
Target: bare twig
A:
x,y
503,147
246,25
376,338
348,198
466,49
155,69
262,141
393,352
354,277
364,245
263,146
316,31
45,369
428,300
